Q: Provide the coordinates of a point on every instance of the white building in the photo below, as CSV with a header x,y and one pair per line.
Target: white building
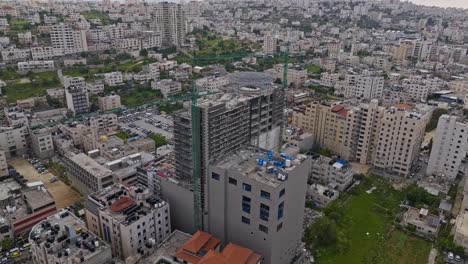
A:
x,y
113,78
109,102
68,39
269,44
167,87
14,54
211,83
26,66
45,52
364,87
128,218
449,147
77,99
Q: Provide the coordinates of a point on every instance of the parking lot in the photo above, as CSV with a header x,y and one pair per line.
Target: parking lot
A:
x,y
63,194
147,122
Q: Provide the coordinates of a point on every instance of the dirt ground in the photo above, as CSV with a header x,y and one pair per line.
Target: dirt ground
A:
x,y
63,194
360,168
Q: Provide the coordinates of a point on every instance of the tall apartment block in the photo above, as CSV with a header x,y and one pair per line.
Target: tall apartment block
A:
x,y
255,200
401,132
86,175
68,39
170,18
449,147
77,99
387,138
363,87
269,44
245,116
63,238
13,140
130,219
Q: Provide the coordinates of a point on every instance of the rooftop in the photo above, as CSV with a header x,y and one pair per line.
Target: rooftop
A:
x,y
262,165
7,187
90,165
65,236
231,254
125,203
197,247
168,248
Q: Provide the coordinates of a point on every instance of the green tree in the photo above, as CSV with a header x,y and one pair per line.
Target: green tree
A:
x,y
159,140
7,244
144,53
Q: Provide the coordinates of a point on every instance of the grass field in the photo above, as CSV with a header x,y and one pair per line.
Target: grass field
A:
x,y
314,69
94,14
36,86
371,233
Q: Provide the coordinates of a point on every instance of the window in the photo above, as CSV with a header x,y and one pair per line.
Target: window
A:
x,y
280,210
263,228
232,181
282,192
264,212
245,220
265,195
215,176
247,187
278,227
246,204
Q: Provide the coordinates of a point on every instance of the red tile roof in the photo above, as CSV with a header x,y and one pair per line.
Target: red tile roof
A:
x,y
403,106
232,254
343,112
200,241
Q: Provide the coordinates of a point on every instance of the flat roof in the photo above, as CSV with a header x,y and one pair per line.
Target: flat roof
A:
x,y
6,187
38,198
90,165
168,248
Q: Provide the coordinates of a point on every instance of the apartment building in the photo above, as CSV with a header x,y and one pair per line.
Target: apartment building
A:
x,y
367,133
45,52
36,66
86,175
167,87
252,201
403,51
334,173
269,44
13,141
153,69
112,78
67,39
42,145
329,79
109,102
63,237
128,218
212,83
461,230
449,147
151,40
296,75
13,54
363,87
169,19
401,132
77,99
25,38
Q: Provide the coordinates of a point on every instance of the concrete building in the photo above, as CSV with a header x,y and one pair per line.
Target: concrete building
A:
x,y
23,207
3,165
13,141
298,138
41,142
170,20
167,87
86,175
109,102
77,100
245,116
67,39
363,87
73,81
63,238
449,147
36,66
296,76
269,44
367,133
128,218
336,174
45,52
113,78
401,133
253,198
322,195
425,224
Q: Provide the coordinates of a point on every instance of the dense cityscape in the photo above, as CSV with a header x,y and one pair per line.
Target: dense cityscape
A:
x,y
233,132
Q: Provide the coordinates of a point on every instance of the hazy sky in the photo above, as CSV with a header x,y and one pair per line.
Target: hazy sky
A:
x,y
442,3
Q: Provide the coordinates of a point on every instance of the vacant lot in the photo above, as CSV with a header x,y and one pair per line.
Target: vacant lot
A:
x,y
370,231
63,194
